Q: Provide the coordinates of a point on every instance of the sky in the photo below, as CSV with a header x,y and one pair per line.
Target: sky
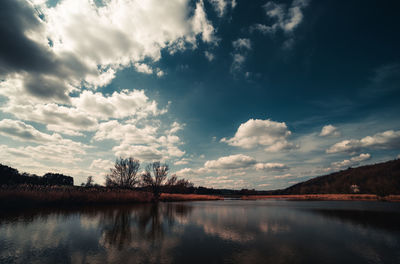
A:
x,y
230,93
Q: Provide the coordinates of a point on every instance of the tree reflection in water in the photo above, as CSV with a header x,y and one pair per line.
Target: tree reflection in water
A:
x,y
124,224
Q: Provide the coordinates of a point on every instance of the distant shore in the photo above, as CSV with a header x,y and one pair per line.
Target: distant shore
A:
x,y
31,195
34,195
325,197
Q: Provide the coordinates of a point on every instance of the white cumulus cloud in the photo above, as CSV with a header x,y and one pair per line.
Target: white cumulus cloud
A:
x,y
271,166
389,139
329,130
237,161
266,133
79,42
351,162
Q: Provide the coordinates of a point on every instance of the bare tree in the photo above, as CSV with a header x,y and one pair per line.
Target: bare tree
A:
x,y
154,177
124,173
89,181
172,180
176,185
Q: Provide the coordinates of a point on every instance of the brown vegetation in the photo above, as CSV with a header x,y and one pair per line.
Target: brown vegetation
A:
x,y
325,197
30,195
174,197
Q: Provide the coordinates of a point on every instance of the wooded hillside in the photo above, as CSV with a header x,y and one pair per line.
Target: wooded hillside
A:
x,y
381,179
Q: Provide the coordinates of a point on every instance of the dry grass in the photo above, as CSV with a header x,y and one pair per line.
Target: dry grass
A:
x,y
174,197
326,197
26,195
32,195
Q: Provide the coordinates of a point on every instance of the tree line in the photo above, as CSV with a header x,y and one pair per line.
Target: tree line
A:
x,y
11,176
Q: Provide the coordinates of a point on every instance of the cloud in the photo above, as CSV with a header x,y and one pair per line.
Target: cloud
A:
x,y
351,162
182,161
53,51
389,139
242,43
271,166
329,130
238,161
266,133
147,143
209,56
42,73
238,60
23,132
241,47
143,68
160,73
285,19
62,151
57,118
284,176
101,165
190,172
128,133
219,6
185,172
86,110
54,59
119,105
146,153
201,25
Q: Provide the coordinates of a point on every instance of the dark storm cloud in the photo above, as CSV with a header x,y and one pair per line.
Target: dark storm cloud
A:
x,y
17,52
44,73
45,87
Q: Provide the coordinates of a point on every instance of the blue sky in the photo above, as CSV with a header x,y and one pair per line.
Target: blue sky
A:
x,y
231,94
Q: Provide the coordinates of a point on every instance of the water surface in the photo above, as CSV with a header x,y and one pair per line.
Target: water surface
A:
x,y
205,232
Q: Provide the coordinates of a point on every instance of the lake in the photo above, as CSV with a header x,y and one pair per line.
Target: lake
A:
x,y
230,231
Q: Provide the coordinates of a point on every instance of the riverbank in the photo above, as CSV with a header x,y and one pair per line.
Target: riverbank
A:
x,y
325,197
177,197
34,195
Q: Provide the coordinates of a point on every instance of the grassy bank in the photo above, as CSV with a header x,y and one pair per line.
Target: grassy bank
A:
x,y
33,195
175,197
325,197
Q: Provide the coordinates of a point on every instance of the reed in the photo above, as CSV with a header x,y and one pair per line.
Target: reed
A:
x,y
28,195
32,195
174,197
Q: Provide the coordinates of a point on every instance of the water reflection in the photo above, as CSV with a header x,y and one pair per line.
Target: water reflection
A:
x,y
199,232
149,222
366,219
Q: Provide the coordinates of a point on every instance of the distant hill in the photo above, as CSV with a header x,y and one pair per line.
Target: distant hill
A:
x,y
381,179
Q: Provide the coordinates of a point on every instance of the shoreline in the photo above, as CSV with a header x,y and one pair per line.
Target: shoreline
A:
x,y
34,195
25,196
324,197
